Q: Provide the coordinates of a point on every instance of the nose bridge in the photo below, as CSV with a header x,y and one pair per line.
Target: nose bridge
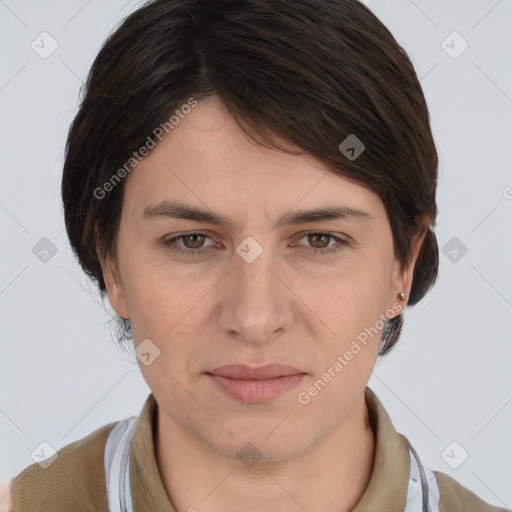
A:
x,y
254,278
256,305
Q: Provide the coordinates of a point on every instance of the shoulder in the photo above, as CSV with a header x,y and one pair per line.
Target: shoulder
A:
x,y
454,497
5,496
74,480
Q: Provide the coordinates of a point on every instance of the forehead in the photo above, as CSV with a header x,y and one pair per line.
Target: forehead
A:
x,y
208,160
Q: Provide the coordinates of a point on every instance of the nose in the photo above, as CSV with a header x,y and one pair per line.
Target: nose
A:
x,y
257,304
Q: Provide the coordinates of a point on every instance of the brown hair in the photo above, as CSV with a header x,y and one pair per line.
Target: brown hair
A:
x,y
310,72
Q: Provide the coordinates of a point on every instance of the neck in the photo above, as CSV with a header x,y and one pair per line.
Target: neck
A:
x,y
331,474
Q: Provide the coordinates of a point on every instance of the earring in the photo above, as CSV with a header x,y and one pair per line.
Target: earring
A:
x,y
400,296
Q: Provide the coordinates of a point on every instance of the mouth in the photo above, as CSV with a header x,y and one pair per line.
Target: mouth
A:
x,y
255,385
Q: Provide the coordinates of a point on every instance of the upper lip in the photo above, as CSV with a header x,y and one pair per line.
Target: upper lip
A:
x,y
269,371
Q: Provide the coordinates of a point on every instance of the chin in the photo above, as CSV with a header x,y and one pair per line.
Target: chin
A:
x,y
259,440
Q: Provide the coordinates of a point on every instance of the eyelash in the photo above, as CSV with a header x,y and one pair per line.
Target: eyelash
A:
x,y
197,252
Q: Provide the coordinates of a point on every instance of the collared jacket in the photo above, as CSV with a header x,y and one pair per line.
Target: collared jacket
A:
x,y
76,480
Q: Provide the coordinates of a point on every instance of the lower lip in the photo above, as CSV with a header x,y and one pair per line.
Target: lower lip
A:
x,y
256,391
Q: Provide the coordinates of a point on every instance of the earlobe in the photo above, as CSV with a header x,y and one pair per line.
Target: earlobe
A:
x,y
114,288
398,293
112,278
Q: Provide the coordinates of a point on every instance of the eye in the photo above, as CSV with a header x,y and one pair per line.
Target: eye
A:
x,y
193,243
320,238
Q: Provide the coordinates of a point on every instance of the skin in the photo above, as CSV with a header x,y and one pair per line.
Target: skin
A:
x,y
290,306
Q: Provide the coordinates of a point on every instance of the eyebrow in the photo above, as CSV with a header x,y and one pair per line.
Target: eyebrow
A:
x,y
178,210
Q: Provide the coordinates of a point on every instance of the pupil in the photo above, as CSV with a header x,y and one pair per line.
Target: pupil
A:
x,y
195,237
319,236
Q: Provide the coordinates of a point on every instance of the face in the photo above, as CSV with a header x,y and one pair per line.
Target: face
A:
x,y
267,286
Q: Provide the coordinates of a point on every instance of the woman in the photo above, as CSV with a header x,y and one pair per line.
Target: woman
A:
x,y
252,184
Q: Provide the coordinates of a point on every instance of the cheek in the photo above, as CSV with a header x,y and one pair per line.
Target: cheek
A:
x,y
348,313
155,295
347,357
349,302
162,311
170,311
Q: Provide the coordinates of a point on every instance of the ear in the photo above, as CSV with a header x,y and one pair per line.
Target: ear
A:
x,y
114,285
401,280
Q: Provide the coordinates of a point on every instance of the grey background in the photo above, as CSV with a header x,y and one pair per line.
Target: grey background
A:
x,y
449,379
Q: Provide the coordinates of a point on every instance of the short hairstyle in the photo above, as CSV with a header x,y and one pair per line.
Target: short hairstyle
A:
x,y
309,72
